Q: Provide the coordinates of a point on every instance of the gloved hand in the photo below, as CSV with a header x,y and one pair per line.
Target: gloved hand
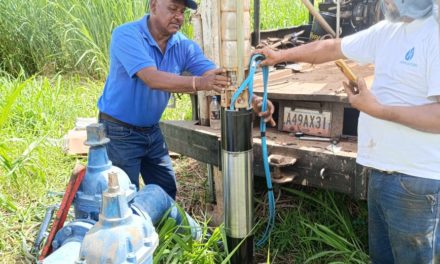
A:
x,y
257,103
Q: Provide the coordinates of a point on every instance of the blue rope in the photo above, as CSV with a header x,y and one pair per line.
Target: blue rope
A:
x,y
249,82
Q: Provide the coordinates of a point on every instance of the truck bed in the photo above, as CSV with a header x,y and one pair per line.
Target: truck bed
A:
x,y
321,82
318,164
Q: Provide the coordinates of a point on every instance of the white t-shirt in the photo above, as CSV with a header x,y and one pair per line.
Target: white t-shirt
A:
x,y
407,73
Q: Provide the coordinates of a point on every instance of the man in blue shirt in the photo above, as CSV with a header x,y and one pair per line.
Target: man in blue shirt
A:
x,y
147,58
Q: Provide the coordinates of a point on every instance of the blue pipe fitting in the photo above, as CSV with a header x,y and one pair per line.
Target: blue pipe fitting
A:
x,y
153,202
73,231
89,195
67,242
119,236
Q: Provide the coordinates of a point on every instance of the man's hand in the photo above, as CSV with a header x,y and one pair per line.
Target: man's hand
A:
x,y
272,56
361,98
213,80
424,118
257,103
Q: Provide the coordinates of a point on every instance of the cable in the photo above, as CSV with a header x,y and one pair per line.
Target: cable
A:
x,y
271,199
249,82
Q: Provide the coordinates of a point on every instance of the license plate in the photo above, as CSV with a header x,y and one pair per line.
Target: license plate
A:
x,y
311,122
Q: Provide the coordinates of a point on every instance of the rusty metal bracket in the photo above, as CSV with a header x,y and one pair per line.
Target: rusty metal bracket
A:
x,y
76,178
278,162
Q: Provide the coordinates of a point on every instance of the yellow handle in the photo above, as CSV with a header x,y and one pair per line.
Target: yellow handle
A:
x,y
346,70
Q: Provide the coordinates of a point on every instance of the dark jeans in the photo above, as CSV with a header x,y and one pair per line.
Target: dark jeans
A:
x,y
403,214
141,151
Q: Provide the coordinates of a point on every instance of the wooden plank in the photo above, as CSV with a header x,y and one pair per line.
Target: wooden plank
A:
x,y
321,82
218,211
210,12
192,141
319,164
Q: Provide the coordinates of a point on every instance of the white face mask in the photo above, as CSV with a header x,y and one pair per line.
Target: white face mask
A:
x,y
404,10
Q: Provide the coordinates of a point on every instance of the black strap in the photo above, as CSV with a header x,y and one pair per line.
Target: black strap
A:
x,y
104,116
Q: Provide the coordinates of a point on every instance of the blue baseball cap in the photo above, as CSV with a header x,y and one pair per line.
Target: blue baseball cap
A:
x,y
191,4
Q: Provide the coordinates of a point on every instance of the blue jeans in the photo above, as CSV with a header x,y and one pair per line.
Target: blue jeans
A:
x,y
141,151
403,219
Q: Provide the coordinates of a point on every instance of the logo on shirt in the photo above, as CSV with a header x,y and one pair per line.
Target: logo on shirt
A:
x,y
408,58
409,55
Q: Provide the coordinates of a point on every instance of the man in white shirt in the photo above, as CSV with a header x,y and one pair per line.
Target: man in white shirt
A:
x,y
399,126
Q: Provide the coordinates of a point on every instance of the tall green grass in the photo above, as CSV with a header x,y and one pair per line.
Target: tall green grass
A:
x,y
35,113
72,36
315,226
281,14
61,36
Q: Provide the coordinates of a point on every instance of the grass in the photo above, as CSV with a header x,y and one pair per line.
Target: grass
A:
x,y
67,36
53,60
281,14
72,36
35,114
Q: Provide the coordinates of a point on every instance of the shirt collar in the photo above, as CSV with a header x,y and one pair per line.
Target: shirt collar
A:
x,y
147,35
415,25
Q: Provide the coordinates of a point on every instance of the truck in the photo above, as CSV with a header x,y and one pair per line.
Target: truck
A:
x,y
314,142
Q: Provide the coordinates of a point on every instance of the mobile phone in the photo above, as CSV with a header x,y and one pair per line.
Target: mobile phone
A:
x,y
352,78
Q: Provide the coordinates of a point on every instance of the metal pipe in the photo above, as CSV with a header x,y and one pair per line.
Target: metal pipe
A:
x,y
202,102
438,16
338,18
237,160
211,187
310,14
256,22
68,253
67,242
43,228
152,202
318,17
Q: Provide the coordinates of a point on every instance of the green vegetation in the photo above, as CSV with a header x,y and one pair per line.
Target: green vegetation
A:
x,y
35,114
321,227
72,36
281,14
53,61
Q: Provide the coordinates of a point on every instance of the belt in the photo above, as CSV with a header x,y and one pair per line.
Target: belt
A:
x,y
385,172
104,116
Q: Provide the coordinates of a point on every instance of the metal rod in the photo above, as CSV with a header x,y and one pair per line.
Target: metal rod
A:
x,y
310,14
338,18
318,17
211,188
199,113
315,139
256,22
438,16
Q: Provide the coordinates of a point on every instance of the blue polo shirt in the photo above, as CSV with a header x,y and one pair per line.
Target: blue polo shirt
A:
x,y
132,48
